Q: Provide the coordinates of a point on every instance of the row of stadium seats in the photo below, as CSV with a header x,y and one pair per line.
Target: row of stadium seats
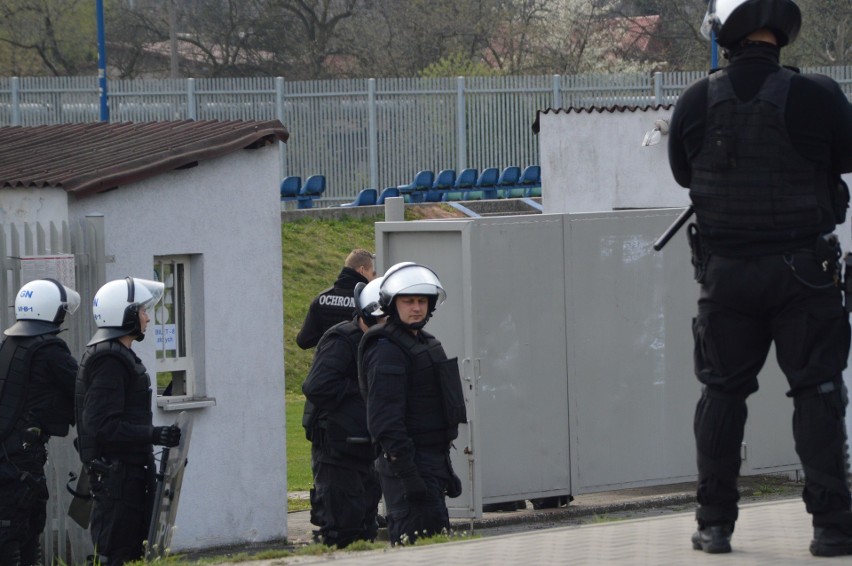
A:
x,y
292,189
469,184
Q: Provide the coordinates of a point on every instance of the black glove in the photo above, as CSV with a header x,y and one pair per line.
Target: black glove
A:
x,y
454,486
412,484
168,436
415,488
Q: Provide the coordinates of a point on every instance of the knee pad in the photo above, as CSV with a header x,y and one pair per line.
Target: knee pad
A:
x,y
819,430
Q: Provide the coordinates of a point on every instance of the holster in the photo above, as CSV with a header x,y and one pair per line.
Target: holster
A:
x,y
828,255
700,254
107,478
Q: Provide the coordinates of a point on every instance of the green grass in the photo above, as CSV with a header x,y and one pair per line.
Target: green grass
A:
x,y
298,448
313,255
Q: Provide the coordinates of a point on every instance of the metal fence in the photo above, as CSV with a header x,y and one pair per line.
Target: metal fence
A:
x,y
23,245
361,132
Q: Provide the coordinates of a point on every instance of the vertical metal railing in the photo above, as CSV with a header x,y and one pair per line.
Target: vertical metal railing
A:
x,y
361,132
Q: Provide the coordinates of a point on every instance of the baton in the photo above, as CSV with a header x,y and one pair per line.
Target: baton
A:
x,y
672,230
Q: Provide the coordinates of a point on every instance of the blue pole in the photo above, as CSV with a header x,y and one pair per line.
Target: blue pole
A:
x,y
714,51
102,77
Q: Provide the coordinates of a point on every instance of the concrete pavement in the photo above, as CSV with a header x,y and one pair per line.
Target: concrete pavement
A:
x,y
775,533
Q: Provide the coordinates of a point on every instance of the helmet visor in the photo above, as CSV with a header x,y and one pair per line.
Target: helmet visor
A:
x,y
717,14
148,293
413,280
72,302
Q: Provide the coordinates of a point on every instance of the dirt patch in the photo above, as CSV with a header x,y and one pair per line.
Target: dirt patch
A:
x,y
432,212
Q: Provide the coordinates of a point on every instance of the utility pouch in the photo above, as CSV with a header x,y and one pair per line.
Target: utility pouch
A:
x,y
828,254
699,253
847,282
452,393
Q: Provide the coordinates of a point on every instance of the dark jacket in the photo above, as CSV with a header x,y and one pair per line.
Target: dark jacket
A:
x,y
335,304
48,402
405,407
113,403
331,389
818,119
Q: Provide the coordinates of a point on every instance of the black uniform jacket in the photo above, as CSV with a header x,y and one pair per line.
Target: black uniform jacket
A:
x,y
333,305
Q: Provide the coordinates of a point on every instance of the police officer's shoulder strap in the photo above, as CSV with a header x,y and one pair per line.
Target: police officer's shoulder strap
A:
x,y
111,348
773,90
349,331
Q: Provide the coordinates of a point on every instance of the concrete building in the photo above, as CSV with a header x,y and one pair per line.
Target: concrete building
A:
x,y
195,205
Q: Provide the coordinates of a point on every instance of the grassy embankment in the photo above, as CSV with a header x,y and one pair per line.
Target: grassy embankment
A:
x,y
313,254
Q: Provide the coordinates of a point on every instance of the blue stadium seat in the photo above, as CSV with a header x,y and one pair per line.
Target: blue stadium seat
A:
x,y
387,192
416,190
314,187
487,182
443,182
290,187
509,178
465,180
366,197
531,176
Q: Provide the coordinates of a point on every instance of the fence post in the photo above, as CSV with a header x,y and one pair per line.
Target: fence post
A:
x,y
372,135
658,88
557,91
191,108
461,124
16,102
279,110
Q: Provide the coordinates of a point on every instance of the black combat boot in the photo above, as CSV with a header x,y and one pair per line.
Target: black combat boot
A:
x,y
830,541
713,539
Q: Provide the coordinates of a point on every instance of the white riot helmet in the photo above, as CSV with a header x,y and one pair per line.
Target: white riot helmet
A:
x,y
40,307
367,301
117,304
408,278
733,20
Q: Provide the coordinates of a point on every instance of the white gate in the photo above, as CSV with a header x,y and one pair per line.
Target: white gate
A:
x,y
75,256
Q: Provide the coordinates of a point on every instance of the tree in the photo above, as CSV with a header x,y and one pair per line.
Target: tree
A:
x,y
49,37
826,37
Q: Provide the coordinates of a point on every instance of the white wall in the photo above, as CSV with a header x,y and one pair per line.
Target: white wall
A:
x,y
592,162
227,210
33,204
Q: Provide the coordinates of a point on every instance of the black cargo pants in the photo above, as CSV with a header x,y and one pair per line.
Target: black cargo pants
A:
x,y
745,305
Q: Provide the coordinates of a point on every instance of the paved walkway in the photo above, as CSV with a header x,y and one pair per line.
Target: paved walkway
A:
x,y
775,533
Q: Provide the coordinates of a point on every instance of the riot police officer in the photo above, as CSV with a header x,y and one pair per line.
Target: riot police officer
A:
x,y
346,493
761,148
36,402
414,404
113,401
337,303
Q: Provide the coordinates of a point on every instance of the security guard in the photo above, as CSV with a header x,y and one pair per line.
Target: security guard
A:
x,y
346,493
761,148
414,404
37,374
114,420
337,303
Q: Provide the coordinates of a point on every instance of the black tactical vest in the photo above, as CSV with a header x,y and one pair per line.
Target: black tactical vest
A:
x,y
16,355
345,428
351,334
748,175
424,415
137,403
